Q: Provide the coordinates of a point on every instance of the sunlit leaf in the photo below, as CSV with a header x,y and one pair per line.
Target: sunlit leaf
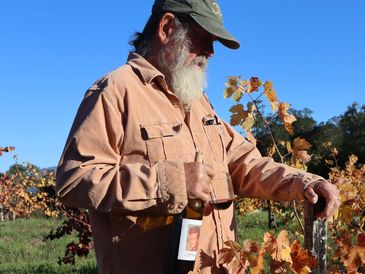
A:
x,y
288,147
329,162
254,84
352,256
237,95
244,85
303,260
231,86
285,117
270,94
278,248
238,114
232,81
228,92
248,121
251,107
299,151
346,214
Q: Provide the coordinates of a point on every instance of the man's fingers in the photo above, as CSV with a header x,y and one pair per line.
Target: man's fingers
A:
x,y
310,195
209,170
331,194
203,196
332,205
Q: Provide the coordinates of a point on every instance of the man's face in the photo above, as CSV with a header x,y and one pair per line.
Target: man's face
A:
x,y
184,61
201,44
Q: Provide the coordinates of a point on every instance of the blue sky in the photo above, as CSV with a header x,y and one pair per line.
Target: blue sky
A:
x,y
52,51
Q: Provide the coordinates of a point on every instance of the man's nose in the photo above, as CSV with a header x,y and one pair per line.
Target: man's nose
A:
x,y
208,50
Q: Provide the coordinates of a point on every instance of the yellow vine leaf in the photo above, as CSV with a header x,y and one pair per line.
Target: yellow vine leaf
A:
x,y
286,118
232,81
248,122
352,160
299,151
329,162
233,89
251,107
288,147
259,268
348,191
237,95
244,84
270,94
278,248
346,213
256,261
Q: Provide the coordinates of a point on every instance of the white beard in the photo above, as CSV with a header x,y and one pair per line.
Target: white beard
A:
x,y
187,81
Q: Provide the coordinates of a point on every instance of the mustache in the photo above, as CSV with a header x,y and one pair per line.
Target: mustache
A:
x,y
201,61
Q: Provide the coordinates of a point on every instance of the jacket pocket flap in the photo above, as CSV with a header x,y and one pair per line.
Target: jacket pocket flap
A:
x,y
160,130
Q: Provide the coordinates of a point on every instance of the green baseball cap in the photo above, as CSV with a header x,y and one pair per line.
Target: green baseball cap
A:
x,y
206,13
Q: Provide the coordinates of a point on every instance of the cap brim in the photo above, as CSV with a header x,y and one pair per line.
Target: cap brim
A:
x,y
217,30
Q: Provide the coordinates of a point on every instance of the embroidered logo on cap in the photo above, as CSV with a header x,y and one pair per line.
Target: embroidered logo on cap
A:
x,y
216,9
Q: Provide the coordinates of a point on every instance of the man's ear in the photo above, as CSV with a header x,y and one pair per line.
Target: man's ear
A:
x,y
165,28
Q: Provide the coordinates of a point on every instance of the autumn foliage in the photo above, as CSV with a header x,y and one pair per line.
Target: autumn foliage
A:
x,y
23,191
347,228
27,191
283,256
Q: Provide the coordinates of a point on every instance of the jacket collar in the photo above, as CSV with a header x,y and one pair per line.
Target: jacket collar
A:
x,y
146,70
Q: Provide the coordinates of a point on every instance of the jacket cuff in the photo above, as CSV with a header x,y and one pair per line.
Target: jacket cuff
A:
x,y
307,179
172,186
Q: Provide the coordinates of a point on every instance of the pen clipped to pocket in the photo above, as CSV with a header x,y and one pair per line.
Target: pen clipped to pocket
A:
x,y
210,120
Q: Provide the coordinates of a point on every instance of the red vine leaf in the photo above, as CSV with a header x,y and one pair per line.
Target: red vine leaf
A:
x,y
303,261
254,84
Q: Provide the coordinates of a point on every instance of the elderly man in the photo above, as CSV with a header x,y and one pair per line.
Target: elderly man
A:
x,y
129,157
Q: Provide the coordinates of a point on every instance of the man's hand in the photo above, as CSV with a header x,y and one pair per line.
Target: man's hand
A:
x,y
326,190
198,178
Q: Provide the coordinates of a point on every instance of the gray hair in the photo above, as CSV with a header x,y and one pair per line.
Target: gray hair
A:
x,y
141,41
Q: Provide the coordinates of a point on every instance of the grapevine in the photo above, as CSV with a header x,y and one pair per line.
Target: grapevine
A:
x,y
77,221
347,227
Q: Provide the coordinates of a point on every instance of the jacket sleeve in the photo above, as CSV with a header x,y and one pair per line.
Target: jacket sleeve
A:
x,y
90,174
260,177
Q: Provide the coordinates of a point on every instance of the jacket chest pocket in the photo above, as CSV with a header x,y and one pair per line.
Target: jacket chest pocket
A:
x,y
161,141
214,133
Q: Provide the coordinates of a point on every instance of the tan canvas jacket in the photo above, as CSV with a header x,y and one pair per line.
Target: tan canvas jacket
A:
x,y
123,161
